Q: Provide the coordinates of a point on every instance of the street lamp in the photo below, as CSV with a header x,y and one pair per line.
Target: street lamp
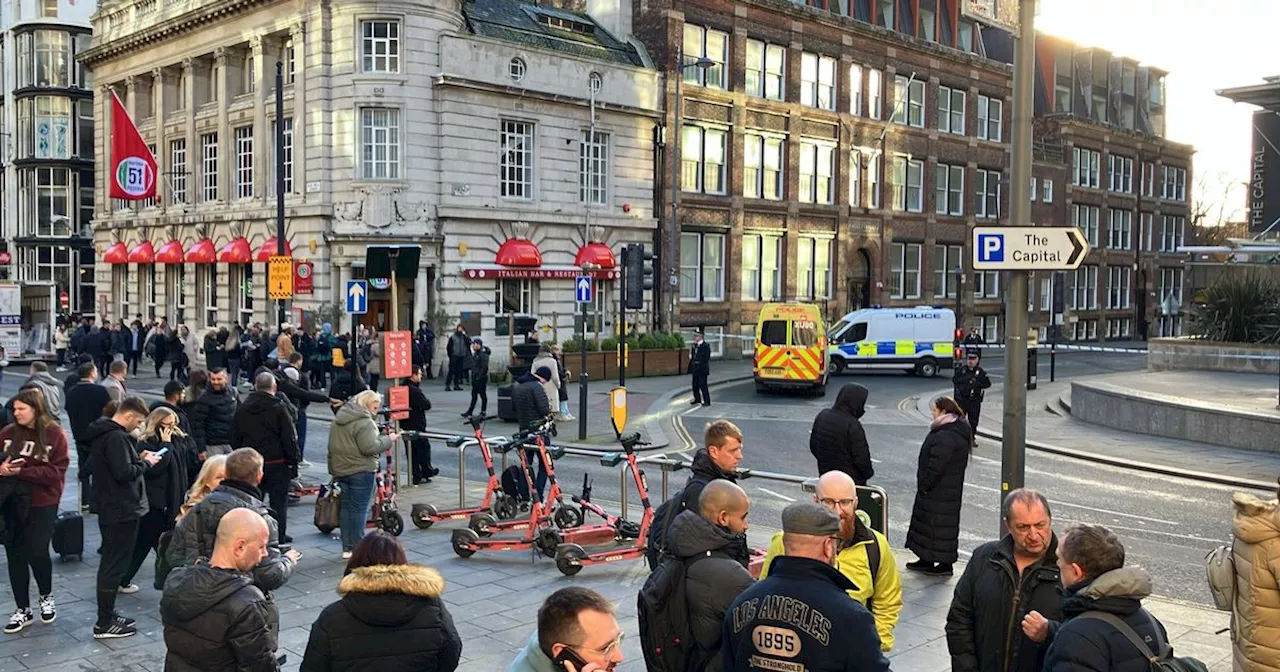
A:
x,y
673,228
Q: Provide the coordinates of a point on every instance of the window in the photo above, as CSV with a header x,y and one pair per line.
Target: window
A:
x,y
48,9
946,259
84,131
1119,327
875,94
244,161
286,149
1118,286
1046,186
380,46
1085,330
813,267
1084,171
986,193
948,195
45,126
1173,183
762,167
986,284
990,118
1119,229
855,89
714,45
1169,287
243,274
248,85
766,70
904,271
152,201
209,167
595,83
884,13
593,169
175,292
380,143
290,63
855,177
515,296
1149,180
208,274
51,215
1146,234
147,290
908,192
817,164
178,170
1046,293
873,181
951,110
818,81
702,153
908,101
1085,218
1172,233
761,279
44,59
1120,173
1084,294
990,326
516,69
701,267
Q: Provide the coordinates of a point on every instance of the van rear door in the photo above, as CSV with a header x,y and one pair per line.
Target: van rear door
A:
x,y
807,360
771,349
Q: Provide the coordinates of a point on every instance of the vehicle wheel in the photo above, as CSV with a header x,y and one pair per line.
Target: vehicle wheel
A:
x,y
503,506
548,541
480,523
820,391
422,515
464,542
836,366
392,523
761,388
566,517
569,559
927,367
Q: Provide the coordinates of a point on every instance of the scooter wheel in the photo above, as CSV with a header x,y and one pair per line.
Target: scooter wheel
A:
x,y
569,559
548,540
464,542
567,517
422,515
392,523
503,507
480,523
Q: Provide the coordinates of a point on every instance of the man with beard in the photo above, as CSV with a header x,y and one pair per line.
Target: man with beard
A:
x,y
212,416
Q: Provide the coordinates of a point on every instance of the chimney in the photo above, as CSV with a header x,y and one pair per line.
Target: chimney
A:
x,y
612,15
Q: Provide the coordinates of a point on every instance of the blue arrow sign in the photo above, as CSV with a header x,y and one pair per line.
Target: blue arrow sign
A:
x,y
583,288
357,297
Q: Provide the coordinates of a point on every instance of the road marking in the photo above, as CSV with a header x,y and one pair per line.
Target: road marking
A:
x,y
1109,512
875,461
779,496
685,455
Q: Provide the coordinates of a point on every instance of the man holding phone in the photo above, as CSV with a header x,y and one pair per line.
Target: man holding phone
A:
x,y
577,632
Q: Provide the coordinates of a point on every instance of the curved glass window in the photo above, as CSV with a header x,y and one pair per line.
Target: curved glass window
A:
x,y
45,127
44,59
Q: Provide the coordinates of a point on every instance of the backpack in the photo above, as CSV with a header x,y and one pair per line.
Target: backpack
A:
x,y
339,357
657,540
1220,567
662,610
514,484
1162,662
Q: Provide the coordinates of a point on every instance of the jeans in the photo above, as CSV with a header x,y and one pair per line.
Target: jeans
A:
x,y
478,391
152,525
233,371
540,480
62,357
29,554
357,496
132,359
117,550
275,487
301,427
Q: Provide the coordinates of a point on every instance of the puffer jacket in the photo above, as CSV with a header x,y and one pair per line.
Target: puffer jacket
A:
x,y
194,535
837,439
390,618
530,401
712,583
216,619
1256,551
1090,645
213,418
263,423
354,442
480,367
375,357
934,534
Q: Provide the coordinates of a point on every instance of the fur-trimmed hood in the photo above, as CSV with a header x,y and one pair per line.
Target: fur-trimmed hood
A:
x,y
1256,520
413,580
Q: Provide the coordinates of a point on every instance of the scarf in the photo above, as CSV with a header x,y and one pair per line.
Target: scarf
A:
x,y
944,419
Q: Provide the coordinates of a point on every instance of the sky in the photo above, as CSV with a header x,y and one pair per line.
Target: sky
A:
x,y
1205,45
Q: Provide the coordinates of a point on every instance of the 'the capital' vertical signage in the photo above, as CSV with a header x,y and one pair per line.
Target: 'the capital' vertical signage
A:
x,y
1264,173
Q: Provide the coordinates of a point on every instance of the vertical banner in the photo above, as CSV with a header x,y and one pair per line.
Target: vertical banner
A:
x,y
1264,172
397,355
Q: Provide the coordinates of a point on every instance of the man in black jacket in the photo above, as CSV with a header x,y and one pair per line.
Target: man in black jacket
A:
x,y
479,377
263,423
121,503
212,415
85,401
296,386
718,460
213,615
420,448
986,627
837,439
970,382
456,349
700,368
532,407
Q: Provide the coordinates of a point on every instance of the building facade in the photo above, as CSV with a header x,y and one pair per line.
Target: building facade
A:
x,y
463,129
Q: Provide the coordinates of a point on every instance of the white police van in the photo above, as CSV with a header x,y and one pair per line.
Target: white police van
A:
x,y
917,340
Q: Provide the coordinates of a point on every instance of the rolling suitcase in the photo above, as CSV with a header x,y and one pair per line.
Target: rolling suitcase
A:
x,y
68,534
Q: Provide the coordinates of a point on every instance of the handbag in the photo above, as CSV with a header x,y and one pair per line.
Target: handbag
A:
x,y
328,504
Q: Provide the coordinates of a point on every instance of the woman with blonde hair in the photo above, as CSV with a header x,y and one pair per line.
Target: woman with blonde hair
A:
x,y
354,448
211,476
165,482
284,348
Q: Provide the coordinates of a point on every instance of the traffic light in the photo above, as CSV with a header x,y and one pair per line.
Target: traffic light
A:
x,y
638,267
957,349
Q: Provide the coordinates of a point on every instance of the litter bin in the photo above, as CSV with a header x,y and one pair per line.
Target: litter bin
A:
x,y
506,410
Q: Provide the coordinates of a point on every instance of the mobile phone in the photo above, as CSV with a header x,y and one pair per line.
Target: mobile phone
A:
x,y
568,655
162,451
18,460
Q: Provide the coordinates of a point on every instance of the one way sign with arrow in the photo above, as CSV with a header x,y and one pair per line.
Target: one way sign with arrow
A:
x,y
1028,248
583,287
357,297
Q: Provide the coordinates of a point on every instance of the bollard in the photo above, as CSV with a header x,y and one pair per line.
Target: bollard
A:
x,y
623,477
462,476
664,485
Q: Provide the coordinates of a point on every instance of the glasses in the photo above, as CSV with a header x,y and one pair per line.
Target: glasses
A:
x,y
606,650
838,503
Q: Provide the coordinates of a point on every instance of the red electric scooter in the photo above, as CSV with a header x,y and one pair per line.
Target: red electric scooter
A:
x,y
495,500
572,557
383,513
484,524
613,528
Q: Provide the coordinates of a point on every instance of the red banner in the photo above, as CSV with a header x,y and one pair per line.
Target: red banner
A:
x,y
398,398
303,280
133,166
397,354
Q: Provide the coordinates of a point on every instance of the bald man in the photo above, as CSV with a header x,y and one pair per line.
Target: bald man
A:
x,y
706,541
214,617
864,556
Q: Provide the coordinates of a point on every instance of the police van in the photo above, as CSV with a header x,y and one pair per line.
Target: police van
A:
x,y
916,340
790,348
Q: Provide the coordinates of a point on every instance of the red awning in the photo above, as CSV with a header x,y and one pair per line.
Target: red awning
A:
x,y
142,253
596,254
268,250
236,252
116,254
170,253
201,252
520,253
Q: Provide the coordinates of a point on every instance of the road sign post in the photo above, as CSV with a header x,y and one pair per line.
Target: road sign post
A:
x,y
585,294
1028,248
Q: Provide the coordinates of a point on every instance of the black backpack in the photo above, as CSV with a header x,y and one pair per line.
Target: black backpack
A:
x,y
662,517
662,610
514,484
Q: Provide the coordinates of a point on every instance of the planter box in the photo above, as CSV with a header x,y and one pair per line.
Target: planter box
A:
x,y
660,362
1181,354
641,363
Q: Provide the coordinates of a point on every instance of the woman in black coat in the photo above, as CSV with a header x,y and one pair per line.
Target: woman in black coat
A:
x,y
390,617
166,483
934,535
837,439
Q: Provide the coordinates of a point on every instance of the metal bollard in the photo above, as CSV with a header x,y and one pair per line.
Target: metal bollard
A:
x,y
664,485
623,473
462,476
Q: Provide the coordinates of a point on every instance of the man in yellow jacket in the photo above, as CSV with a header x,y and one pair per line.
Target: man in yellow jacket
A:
x,y
882,594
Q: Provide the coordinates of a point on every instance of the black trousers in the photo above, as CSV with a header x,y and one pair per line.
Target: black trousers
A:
x,y
479,391
150,527
118,540
275,486
454,377
972,411
420,457
84,475
700,391
373,381
132,358
28,553
429,370
101,361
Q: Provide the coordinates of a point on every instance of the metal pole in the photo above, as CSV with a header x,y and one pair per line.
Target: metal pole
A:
x,y
280,310
673,226
1013,457
1053,349
462,475
622,308
582,380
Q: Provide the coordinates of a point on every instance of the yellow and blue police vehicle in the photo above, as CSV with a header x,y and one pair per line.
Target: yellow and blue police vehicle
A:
x,y
916,340
791,348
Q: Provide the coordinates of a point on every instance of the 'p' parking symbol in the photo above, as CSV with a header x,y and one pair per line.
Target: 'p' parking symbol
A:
x,y
990,247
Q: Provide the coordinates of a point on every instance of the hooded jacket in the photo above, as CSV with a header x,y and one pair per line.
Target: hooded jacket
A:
x,y
390,618
354,442
85,401
530,401
212,417
711,584
117,473
934,533
480,367
194,535
991,599
1090,645
50,388
215,619
418,407
263,423
1256,551
837,439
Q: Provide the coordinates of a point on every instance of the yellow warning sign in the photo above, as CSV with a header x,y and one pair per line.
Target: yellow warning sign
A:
x,y
618,409
280,277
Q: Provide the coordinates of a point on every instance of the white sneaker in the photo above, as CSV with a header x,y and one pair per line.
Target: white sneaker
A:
x,y
346,555
129,589
305,464
21,618
48,612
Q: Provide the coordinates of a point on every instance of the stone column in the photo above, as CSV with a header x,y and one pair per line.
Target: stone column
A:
x,y
263,134
188,95
163,178
298,33
226,144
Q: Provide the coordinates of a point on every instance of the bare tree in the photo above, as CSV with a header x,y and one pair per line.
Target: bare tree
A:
x,y
1212,215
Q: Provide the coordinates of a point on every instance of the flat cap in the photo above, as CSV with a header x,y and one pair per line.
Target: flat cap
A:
x,y
810,519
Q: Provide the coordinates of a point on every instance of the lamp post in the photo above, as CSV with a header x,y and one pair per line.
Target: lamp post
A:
x,y
673,227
